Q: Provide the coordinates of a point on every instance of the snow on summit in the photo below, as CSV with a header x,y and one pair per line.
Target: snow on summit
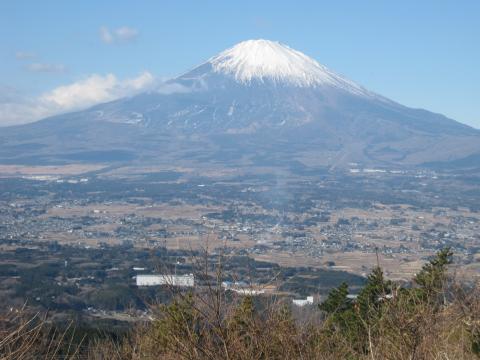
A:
x,y
270,60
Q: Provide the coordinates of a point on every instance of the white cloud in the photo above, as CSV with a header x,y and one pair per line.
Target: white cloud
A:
x,y
140,82
126,33
95,89
46,68
167,88
86,92
16,113
105,35
23,55
119,35
40,67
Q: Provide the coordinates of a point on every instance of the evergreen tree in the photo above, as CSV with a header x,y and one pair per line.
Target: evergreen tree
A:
x,y
373,294
242,324
178,326
337,300
432,276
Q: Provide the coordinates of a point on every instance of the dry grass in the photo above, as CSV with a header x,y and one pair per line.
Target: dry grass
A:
x,y
210,323
213,324
194,329
25,336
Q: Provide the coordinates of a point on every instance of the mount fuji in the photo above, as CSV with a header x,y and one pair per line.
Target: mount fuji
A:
x,y
257,103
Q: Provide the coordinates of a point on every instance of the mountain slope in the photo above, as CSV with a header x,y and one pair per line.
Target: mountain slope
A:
x,y
261,102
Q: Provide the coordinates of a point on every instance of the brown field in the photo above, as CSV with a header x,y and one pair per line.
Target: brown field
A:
x,y
72,169
164,211
355,262
397,266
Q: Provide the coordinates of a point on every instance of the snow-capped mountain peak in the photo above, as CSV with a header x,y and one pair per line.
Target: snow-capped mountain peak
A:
x,y
259,103
264,60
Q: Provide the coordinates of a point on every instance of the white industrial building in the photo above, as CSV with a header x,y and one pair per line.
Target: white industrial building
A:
x,y
242,288
303,302
246,291
172,280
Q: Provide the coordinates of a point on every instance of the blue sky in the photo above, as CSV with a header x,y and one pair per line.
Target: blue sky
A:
x,y
62,55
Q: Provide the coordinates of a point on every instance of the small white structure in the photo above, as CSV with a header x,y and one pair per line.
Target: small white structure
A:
x,y
303,302
234,285
242,288
246,291
172,280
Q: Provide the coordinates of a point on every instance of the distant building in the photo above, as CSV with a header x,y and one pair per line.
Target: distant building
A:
x,y
303,302
236,284
244,291
242,288
172,280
